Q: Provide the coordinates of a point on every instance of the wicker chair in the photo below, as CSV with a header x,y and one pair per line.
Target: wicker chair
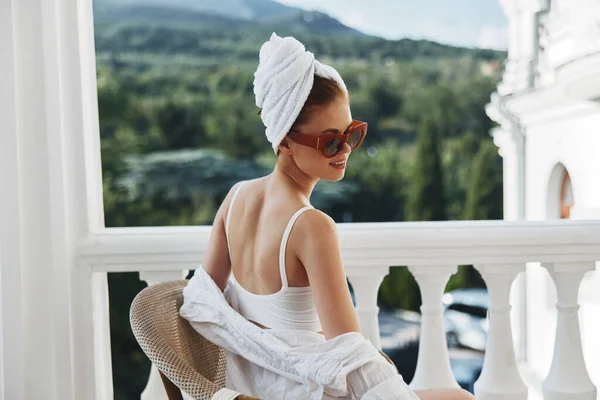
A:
x,y
186,361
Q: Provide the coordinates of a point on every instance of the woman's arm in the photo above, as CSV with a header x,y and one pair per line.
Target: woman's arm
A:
x,y
216,260
317,246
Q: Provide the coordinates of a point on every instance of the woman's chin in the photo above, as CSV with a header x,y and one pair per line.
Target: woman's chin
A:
x,y
335,178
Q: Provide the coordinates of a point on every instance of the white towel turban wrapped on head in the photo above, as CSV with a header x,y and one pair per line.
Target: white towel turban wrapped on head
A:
x,y
283,81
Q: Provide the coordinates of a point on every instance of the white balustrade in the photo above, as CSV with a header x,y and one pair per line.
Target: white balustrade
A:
x,y
568,378
500,378
498,249
155,389
433,365
365,283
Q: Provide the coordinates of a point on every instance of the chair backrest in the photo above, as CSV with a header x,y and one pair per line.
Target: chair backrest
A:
x,y
181,354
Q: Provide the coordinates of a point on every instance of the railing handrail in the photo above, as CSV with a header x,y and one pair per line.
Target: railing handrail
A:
x,y
365,244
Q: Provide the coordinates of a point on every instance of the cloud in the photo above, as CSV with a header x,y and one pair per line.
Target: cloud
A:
x,y
460,22
493,37
354,20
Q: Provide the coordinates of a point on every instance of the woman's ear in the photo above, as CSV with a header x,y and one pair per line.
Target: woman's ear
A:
x,y
285,147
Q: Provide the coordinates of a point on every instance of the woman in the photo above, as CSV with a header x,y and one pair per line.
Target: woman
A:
x,y
281,257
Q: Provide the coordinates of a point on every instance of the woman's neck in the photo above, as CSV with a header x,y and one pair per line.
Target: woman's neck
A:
x,y
287,173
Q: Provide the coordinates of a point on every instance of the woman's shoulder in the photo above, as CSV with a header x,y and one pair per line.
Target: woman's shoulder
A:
x,y
315,219
230,198
315,242
232,192
314,225
248,183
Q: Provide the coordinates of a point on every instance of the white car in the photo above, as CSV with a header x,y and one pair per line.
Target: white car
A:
x,y
466,318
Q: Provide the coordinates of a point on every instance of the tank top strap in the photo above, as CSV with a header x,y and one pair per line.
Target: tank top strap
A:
x,y
284,240
228,218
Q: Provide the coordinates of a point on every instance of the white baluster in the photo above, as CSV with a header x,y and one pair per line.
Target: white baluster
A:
x,y
433,364
365,283
568,378
154,389
500,378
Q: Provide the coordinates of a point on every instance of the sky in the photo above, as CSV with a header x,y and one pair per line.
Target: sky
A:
x,y
470,23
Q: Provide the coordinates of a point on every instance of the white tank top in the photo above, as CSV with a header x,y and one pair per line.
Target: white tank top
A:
x,y
290,307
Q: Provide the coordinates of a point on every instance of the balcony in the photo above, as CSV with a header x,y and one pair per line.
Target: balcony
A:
x,y
501,251
55,252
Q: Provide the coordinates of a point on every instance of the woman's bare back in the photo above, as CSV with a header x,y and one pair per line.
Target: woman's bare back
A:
x,y
312,258
257,223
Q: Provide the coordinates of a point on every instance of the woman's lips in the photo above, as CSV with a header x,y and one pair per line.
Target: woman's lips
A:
x,y
339,165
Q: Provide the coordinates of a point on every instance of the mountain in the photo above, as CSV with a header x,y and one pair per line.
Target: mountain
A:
x,y
233,30
222,14
235,9
244,10
310,21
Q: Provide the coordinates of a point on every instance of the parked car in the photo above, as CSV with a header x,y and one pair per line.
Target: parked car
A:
x,y
399,332
464,311
466,318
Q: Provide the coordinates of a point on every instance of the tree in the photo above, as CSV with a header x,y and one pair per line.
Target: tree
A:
x,y
235,128
439,102
426,200
387,102
484,195
399,290
484,201
181,124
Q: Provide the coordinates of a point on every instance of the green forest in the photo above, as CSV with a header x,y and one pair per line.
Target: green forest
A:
x,y
179,127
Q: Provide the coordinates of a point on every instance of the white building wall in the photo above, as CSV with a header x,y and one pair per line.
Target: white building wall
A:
x,y
572,143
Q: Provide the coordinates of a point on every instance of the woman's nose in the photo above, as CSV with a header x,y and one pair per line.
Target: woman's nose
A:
x,y
346,148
